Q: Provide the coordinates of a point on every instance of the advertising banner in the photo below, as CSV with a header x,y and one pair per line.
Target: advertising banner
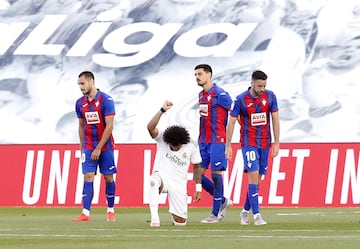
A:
x,y
303,175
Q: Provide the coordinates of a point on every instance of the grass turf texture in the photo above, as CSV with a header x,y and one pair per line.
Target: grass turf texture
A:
x,y
293,228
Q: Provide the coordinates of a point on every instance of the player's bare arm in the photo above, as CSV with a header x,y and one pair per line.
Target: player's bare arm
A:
x,y
153,130
81,132
197,178
276,131
229,134
109,124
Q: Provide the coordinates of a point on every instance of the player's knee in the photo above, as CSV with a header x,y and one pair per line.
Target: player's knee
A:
x,y
217,179
108,178
178,221
155,181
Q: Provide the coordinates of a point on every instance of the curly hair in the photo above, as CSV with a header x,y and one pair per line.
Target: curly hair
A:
x,y
176,135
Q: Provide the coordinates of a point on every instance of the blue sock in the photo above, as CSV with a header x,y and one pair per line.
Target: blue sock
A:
x,y
218,193
88,193
254,197
110,193
208,185
247,202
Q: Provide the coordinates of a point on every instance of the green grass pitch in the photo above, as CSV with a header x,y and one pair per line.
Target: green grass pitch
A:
x,y
290,228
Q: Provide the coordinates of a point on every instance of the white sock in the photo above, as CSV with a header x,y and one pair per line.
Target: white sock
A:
x,y
110,209
86,212
154,197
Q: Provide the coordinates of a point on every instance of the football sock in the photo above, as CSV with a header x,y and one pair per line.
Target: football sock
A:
x,y
253,197
218,193
110,193
208,185
247,203
88,193
154,197
86,212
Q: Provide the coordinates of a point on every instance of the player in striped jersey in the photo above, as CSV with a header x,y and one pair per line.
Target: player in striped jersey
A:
x,y
96,111
254,108
214,105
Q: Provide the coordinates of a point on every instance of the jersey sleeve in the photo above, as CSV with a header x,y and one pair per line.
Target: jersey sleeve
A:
x,y
195,155
159,137
109,106
274,105
78,108
224,100
236,108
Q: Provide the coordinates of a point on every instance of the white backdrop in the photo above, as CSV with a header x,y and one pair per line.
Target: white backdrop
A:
x,y
309,49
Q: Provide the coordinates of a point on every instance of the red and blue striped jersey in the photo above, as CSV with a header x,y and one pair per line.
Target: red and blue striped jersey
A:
x,y
254,114
93,113
214,106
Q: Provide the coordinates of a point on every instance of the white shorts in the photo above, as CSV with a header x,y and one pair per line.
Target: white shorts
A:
x,y
177,196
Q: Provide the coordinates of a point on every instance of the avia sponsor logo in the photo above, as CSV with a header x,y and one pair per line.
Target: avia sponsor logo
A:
x,y
92,117
118,52
258,119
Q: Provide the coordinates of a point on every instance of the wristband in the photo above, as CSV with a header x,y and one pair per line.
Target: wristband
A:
x,y
162,110
198,187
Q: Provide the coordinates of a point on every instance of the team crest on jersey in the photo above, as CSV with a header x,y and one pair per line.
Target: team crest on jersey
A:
x,y
97,103
184,155
264,102
92,117
204,110
208,98
258,119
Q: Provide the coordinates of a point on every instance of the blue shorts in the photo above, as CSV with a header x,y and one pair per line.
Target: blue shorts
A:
x,y
106,162
213,154
255,159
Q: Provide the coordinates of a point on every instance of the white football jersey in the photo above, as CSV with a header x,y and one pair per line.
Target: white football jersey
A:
x,y
174,165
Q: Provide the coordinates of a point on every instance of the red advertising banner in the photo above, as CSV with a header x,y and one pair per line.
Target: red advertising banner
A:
x,y
303,175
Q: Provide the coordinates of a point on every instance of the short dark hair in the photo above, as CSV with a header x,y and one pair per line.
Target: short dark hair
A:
x,y
87,75
132,81
206,67
176,135
258,75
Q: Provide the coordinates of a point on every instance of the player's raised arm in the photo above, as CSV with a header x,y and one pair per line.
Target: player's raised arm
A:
x,y
156,118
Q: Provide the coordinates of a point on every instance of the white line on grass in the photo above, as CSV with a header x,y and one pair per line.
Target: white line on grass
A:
x,y
332,237
156,230
314,213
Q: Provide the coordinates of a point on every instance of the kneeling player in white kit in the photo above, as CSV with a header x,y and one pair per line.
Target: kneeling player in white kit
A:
x,y
175,152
